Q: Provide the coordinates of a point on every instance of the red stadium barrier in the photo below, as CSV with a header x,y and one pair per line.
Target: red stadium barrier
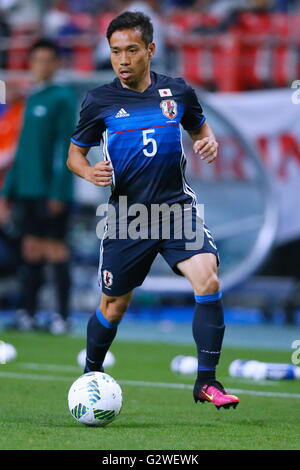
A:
x,y
103,21
285,49
211,61
187,21
19,44
83,57
258,50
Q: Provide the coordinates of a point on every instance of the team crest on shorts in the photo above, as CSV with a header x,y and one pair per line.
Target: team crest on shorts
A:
x,y
107,278
169,108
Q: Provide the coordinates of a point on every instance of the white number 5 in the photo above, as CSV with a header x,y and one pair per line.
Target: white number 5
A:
x,y
149,140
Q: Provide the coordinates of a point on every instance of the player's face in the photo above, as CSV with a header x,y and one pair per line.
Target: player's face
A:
x,y
43,64
130,56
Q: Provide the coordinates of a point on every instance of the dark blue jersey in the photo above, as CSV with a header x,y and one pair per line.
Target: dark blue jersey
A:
x,y
142,137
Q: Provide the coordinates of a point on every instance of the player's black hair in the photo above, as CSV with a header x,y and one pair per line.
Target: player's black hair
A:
x,y
44,44
132,20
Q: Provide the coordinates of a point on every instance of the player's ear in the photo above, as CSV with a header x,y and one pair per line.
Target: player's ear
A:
x,y
151,49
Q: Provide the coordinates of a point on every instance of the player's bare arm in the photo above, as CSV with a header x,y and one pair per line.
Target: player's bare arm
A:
x,y
99,174
205,143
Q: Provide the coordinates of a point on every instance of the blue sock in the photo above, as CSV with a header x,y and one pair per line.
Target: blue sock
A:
x,y
208,332
100,335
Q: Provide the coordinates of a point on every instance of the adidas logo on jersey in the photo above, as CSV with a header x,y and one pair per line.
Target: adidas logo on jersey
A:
x,y
122,113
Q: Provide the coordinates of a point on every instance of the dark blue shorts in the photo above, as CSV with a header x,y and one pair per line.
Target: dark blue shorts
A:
x,y
124,263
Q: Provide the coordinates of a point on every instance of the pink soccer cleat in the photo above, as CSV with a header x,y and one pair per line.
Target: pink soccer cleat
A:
x,y
216,394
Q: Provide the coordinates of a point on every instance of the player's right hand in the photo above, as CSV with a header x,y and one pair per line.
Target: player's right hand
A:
x,y
100,174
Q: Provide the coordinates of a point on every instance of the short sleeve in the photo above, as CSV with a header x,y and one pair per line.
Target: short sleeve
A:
x,y
90,127
193,117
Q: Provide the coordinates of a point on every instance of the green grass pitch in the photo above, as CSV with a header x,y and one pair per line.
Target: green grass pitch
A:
x,y
34,412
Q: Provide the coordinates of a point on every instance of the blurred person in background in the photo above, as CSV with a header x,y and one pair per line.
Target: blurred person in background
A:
x,y
55,18
59,26
91,6
224,7
281,263
181,4
38,188
287,6
22,13
228,12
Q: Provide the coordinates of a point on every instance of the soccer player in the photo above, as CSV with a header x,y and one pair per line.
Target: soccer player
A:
x,y
138,116
38,187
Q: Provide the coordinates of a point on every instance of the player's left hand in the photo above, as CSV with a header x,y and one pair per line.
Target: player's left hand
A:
x,y
207,148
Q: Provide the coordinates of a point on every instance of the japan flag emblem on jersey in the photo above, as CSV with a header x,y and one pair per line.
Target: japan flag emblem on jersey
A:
x,y
107,278
165,92
169,108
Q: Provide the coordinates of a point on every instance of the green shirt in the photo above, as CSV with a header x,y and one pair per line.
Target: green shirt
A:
x,y
39,169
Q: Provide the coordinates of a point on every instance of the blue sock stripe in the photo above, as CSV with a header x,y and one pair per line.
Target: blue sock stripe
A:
x,y
202,299
104,321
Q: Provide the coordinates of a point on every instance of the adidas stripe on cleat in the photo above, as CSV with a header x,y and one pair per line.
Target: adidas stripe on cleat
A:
x,y
215,393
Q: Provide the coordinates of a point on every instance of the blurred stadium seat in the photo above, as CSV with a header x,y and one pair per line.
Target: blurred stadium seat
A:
x,y
250,50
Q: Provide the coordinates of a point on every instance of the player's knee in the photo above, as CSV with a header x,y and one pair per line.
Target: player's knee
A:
x,y
211,285
114,309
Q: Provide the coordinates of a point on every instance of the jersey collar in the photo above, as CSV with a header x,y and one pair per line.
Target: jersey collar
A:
x,y
150,88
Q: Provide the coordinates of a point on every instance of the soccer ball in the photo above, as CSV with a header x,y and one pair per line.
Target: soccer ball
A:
x,y
95,399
